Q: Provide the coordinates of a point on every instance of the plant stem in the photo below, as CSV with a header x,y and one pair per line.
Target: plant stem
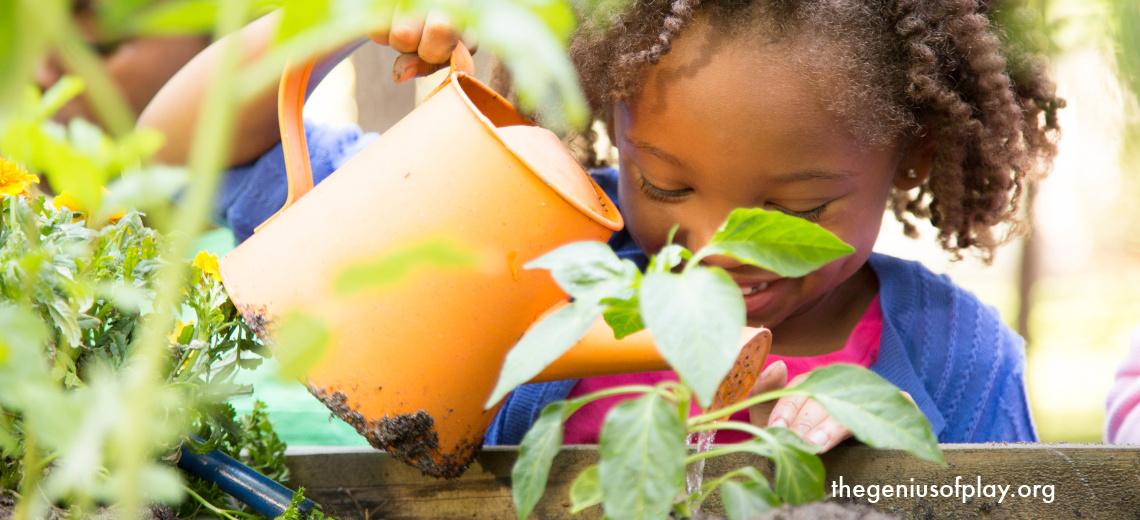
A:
x,y
576,404
731,409
215,509
33,471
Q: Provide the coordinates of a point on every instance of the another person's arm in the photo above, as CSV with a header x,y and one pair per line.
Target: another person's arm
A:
x,y
426,42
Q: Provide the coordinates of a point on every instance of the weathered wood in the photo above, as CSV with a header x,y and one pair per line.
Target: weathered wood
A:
x,y
1088,481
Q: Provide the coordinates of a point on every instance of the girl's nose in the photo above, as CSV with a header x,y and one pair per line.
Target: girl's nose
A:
x,y
698,237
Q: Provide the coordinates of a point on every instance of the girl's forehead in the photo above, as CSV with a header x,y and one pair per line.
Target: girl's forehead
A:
x,y
710,89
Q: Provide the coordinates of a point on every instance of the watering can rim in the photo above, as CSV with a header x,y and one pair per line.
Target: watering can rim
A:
x,y
298,170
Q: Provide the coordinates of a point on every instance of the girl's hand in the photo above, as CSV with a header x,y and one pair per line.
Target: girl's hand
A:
x,y
425,39
802,415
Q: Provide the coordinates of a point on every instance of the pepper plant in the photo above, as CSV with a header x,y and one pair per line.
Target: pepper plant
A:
x,y
695,313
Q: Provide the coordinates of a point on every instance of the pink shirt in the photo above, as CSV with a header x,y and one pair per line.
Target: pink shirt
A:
x,y
862,348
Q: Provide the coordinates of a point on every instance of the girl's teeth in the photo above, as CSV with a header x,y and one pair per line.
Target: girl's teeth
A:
x,y
754,289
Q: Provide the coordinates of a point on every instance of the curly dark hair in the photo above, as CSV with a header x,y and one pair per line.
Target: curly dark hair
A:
x,y
911,68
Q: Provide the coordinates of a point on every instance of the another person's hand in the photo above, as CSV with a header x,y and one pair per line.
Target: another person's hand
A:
x,y
425,40
804,416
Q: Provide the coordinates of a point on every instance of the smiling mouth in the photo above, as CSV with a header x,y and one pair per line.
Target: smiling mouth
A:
x,y
753,289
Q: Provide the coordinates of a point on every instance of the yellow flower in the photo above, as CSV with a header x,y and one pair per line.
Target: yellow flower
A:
x,y
67,199
14,180
178,328
208,263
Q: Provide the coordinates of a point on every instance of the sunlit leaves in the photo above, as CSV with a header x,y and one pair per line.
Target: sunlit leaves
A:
x,y
545,342
536,452
642,450
695,318
788,246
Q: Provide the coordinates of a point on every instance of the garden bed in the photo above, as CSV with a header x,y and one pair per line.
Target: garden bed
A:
x,y
1088,481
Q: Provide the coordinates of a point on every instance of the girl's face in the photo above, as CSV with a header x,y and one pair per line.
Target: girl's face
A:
x,y
720,125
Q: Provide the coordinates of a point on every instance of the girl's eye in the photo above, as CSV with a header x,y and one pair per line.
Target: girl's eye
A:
x,y
811,215
662,195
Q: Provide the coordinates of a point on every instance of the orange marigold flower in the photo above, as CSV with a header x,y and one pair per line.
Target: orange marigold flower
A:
x,y
14,180
208,263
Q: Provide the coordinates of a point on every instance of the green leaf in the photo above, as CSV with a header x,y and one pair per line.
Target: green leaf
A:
x,y
623,316
748,499
642,450
536,453
586,490
799,473
302,341
668,257
178,17
398,264
299,15
873,409
786,245
64,90
545,342
695,318
588,271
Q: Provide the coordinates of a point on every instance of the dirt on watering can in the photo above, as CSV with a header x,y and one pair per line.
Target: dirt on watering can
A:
x,y
408,437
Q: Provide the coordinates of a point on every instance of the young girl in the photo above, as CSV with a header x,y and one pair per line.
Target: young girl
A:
x,y
831,111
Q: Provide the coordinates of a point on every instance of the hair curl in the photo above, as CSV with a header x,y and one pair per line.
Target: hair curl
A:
x,y
910,68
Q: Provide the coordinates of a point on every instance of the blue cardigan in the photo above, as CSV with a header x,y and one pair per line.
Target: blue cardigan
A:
x,y
962,365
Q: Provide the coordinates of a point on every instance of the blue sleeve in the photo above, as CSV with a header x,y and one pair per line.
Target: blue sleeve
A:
x,y
252,192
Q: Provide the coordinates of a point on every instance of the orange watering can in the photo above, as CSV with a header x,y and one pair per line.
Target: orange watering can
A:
x,y
411,365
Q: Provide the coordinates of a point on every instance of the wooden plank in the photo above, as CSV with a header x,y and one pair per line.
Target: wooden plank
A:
x,y
1087,481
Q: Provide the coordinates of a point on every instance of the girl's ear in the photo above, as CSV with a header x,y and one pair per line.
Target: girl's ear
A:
x,y
916,164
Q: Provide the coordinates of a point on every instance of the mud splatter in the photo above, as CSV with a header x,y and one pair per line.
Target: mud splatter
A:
x,y
408,437
259,320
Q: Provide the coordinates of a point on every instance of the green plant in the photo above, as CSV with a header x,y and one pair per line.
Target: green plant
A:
x,y
76,300
695,316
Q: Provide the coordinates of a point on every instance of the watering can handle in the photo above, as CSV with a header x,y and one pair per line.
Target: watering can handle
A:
x,y
290,102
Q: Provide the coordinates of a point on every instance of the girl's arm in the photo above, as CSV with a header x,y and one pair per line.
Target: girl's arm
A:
x,y
426,41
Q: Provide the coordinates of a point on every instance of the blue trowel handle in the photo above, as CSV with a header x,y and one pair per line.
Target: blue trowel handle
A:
x,y
252,488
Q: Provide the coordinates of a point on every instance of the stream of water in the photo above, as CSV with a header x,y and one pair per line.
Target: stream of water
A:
x,y
695,473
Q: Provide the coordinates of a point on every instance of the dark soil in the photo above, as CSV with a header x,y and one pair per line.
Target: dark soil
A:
x,y
818,511
408,437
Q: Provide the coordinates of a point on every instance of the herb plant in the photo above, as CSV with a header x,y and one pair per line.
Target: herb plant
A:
x,y
75,300
695,313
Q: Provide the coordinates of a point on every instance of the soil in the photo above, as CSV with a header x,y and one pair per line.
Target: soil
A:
x,y
408,437
818,511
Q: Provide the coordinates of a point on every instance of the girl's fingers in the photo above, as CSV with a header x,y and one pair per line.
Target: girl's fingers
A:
x,y
787,408
827,434
440,36
379,33
407,29
408,66
773,377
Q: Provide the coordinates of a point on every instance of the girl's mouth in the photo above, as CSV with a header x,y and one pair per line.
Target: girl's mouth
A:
x,y
757,296
753,289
